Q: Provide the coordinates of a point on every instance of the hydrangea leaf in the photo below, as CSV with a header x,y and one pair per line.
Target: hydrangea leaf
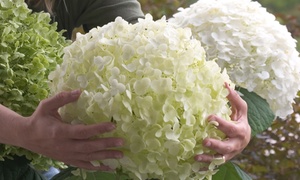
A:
x,y
260,116
231,171
67,174
228,170
18,168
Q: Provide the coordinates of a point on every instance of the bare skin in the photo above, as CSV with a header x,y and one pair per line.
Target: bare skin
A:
x,y
46,134
238,133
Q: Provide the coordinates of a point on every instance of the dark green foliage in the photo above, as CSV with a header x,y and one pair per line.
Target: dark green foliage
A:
x,y
18,169
260,116
231,171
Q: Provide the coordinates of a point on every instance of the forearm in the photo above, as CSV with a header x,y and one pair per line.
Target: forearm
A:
x,y
10,125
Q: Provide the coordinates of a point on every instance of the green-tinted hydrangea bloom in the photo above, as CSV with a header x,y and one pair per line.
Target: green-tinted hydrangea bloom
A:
x,y
154,82
30,48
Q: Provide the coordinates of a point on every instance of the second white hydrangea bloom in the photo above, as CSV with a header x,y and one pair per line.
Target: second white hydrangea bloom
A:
x,y
258,52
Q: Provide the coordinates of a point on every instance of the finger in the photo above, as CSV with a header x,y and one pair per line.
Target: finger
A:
x,y
81,131
239,106
221,147
59,100
233,97
90,146
204,158
207,158
89,166
101,155
228,127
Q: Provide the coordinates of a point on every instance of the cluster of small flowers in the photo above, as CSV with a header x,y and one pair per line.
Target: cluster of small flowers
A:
x,y
258,52
30,48
154,82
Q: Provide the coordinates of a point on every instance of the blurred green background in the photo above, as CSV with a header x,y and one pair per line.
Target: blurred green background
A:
x,y
275,153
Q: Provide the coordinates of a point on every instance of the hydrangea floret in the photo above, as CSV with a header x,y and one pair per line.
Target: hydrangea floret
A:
x,y
30,48
258,52
154,82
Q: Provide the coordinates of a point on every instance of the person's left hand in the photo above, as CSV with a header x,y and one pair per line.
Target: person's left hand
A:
x,y
238,133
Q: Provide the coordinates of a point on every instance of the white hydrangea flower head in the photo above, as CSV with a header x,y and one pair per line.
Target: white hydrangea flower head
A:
x,y
258,52
154,82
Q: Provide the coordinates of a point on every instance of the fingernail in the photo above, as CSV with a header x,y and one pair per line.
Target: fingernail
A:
x,y
112,127
208,144
119,155
211,118
120,143
75,92
198,158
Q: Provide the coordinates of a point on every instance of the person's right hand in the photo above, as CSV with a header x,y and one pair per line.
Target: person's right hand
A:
x,y
237,131
46,134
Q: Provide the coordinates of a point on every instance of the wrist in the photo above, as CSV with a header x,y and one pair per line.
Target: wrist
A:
x,y
11,126
21,130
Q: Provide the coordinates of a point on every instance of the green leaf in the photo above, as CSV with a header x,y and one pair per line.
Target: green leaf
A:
x,y
260,116
227,171
231,171
18,168
66,174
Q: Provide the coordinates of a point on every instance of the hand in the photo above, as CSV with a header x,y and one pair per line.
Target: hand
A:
x,y
238,133
46,134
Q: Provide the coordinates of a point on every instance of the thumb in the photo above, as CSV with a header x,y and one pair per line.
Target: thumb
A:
x,y
59,100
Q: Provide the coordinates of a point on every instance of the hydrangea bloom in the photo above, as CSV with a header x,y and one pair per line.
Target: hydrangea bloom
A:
x,y
30,48
154,82
257,51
